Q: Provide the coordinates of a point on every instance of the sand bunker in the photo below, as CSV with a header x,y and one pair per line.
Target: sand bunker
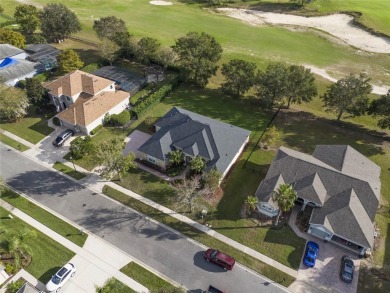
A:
x,y
163,3
338,25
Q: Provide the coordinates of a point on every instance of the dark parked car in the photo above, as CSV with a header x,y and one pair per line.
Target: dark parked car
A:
x,y
347,268
60,140
212,289
219,258
311,254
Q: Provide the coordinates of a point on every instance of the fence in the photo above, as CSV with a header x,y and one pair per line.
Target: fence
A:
x,y
246,166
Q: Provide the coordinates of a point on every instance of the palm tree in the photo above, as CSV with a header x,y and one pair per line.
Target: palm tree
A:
x,y
176,157
285,197
197,164
251,202
14,243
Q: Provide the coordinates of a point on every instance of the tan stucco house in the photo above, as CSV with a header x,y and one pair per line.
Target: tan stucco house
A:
x,y
84,99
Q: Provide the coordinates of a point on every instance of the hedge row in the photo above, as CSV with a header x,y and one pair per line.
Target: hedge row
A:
x,y
141,94
96,129
155,98
120,119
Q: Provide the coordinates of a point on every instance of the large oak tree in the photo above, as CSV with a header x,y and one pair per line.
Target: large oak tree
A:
x,y
348,95
27,16
381,108
198,55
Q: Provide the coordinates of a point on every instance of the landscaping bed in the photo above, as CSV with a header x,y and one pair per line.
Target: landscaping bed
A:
x,y
47,255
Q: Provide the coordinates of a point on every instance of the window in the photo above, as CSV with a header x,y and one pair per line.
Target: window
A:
x,y
68,98
152,160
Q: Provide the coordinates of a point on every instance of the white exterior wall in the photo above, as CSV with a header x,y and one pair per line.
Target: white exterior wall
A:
x,y
13,82
116,110
235,157
266,209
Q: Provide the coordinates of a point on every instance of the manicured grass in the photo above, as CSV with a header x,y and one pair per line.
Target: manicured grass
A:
x,y
199,236
69,171
47,255
13,143
146,278
54,223
115,286
32,128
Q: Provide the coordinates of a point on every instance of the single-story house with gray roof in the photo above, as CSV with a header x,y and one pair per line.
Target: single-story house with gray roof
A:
x,y
341,185
218,143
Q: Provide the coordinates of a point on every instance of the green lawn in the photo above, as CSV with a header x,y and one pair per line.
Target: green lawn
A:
x,y
69,171
47,255
54,223
32,128
115,286
13,143
146,278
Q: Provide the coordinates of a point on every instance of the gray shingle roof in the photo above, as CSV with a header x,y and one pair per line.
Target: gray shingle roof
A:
x,y
195,134
336,178
7,50
21,68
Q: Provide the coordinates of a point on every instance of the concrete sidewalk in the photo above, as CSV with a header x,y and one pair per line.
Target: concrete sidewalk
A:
x,y
95,182
96,262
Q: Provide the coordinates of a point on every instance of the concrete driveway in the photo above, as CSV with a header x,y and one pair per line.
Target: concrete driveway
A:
x,y
134,141
324,277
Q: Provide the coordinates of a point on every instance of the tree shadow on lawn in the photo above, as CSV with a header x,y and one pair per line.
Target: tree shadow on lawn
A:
x,y
208,102
304,131
88,55
47,275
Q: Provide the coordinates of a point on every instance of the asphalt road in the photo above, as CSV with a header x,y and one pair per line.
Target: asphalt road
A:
x,y
165,251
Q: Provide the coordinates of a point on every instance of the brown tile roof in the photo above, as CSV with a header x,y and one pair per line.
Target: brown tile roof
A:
x,y
88,108
76,82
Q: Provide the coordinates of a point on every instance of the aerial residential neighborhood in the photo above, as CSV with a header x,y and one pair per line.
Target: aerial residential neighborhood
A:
x,y
202,146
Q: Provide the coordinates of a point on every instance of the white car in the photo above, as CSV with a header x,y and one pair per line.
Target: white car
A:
x,y
60,278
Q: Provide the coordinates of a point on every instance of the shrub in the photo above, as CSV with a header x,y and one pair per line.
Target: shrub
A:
x,y
43,76
9,269
155,98
22,84
96,129
120,119
141,94
13,287
56,121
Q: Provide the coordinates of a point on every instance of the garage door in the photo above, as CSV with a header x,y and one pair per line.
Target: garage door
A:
x,y
318,233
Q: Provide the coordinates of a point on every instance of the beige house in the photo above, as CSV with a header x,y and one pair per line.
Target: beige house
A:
x,y
84,99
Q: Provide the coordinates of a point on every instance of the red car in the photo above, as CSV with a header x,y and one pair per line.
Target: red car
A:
x,y
219,258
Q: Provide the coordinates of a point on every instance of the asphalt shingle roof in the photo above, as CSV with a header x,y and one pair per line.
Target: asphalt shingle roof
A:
x,y
195,134
339,178
7,50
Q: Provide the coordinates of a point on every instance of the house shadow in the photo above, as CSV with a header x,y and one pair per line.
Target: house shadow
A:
x,y
306,131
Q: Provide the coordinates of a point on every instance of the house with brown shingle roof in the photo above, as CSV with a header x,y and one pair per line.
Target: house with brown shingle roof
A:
x,y
84,99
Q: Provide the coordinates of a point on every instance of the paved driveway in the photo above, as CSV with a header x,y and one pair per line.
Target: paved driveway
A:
x,y
134,141
325,275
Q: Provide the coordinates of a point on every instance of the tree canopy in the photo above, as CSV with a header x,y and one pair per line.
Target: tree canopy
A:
x,y
37,94
198,55
58,22
68,61
381,108
197,164
147,50
13,103
348,95
300,85
111,28
239,75
108,50
13,38
176,157
27,16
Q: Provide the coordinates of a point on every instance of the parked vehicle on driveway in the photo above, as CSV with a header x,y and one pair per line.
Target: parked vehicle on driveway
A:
x,y
347,268
219,258
311,253
60,140
60,278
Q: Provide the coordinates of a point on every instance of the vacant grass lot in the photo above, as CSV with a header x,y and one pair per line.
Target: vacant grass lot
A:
x,y
69,171
245,259
51,221
148,279
47,255
13,143
32,128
